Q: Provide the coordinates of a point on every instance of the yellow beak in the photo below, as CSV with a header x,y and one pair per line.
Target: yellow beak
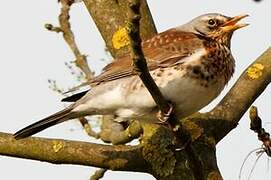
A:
x,y
231,25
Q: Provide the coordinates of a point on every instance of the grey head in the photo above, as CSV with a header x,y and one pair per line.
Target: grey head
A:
x,y
215,26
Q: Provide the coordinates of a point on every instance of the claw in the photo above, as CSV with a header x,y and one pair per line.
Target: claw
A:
x,y
181,146
163,117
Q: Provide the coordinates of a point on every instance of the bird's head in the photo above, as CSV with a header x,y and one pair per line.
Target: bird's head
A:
x,y
215,26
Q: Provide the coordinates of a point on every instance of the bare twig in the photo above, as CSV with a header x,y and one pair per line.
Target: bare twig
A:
x,y
87,128
98,174
139,61
255,120
246,158
256,126
254,165
54,87
65,28
81,60
141,68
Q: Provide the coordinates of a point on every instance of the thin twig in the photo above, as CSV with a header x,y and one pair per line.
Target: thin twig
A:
x,y
65,28
98,174
87,128
81,60
139,61
246,158
254,165
256,126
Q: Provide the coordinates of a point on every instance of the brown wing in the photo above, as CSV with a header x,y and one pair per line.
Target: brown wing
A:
x,y
163,50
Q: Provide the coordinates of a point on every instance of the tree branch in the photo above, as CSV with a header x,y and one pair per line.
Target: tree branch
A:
x,y
87,127
56,151
65,28
256,126
246,90
225,116
139,61
111,17
98,174
114,132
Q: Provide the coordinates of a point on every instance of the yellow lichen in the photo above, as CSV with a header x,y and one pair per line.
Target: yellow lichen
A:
x,y
194,130
214,175
120,38
57,146
255,71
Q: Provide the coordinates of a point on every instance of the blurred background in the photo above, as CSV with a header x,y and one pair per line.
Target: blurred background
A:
x,y
30,55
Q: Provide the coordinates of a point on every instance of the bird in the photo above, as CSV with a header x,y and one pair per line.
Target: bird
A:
x,y
191,64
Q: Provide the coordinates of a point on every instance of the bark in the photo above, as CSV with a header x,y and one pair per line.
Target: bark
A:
x,y
112,16
60,151
138,59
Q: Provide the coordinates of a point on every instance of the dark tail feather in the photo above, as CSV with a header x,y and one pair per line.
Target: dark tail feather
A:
x,y
36,127
74,97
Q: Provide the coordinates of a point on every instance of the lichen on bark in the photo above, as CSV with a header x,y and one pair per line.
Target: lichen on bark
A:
x,y
158,149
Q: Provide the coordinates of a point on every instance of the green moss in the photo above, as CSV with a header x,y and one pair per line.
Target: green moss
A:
x,y
158,149
194,130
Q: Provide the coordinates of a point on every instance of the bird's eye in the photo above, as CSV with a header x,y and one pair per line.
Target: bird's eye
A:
x,y
212,22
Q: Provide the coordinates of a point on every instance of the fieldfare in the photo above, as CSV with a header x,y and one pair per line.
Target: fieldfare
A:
x,y
190,64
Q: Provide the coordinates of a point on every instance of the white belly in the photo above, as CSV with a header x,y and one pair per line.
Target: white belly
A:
x,y
187,95
128,98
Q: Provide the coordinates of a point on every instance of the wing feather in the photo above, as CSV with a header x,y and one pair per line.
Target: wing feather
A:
x,y
163,50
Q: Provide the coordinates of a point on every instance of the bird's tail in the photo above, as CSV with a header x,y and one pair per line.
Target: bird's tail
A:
x,y
47,122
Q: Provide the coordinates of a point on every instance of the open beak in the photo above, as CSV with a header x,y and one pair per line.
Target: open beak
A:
x,y
231,25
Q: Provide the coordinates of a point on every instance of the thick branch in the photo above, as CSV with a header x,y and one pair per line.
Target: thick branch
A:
x,y
56,151
111,16
246,90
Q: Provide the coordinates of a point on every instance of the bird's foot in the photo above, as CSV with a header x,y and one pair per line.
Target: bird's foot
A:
x,y
164,116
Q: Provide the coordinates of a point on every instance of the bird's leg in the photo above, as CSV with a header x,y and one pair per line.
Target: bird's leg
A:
x,y
164,116
180,143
